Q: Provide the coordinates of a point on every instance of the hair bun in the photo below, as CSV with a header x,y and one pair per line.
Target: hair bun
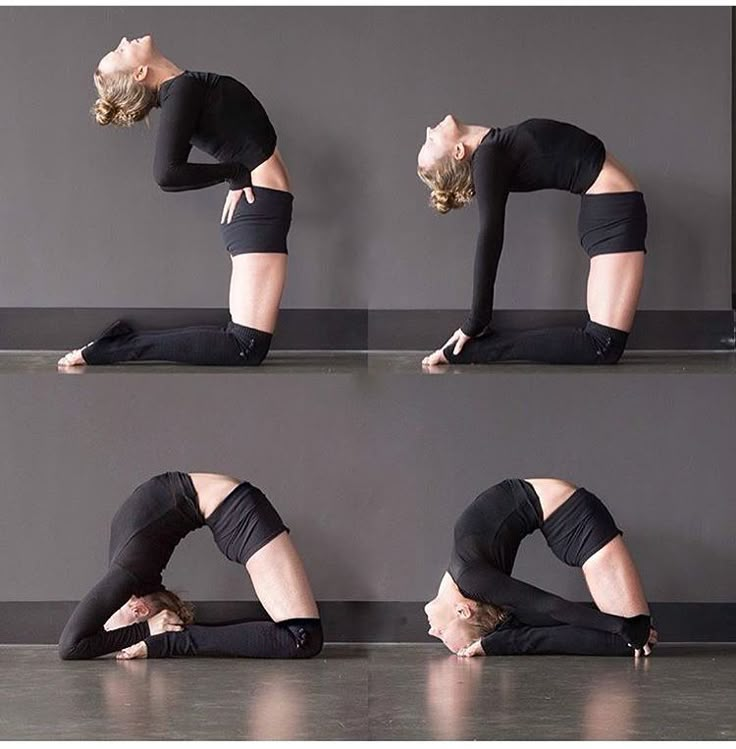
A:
x,y
444,201
104,112
441,200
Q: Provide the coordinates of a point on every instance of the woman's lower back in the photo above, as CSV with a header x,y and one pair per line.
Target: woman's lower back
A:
x,y
271,173
212,489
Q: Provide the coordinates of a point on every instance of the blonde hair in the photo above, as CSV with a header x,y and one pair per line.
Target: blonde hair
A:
x,y
451,183
122,100
165,599
485,617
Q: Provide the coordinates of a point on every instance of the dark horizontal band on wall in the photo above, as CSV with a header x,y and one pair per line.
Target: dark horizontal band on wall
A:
x,y
61,328
50,328
41,622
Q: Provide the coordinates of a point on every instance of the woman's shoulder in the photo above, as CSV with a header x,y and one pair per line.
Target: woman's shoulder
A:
x,y
489,157
186,81
203,76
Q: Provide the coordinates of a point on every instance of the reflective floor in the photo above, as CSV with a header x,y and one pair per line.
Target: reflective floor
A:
x,y
394,362
278,362
632,362
371,692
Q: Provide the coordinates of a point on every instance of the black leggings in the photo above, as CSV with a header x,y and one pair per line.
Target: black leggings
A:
x,y
231,345
293,638
593,344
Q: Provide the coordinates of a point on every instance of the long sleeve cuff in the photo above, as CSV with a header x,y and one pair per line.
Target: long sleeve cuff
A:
x,y
241,178
474,326
635,630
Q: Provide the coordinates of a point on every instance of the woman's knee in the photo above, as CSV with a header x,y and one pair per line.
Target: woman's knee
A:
x,y
253,345
609,342
308,635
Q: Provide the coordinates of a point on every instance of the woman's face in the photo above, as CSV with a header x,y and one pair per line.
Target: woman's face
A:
x,y
439,142
128,55
448,623
134,610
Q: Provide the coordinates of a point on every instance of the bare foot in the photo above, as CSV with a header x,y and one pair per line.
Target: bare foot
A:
x,y
435,358
72,359
75,358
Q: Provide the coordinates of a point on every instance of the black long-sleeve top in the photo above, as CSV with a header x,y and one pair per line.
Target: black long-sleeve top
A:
x,y
143,535
537,154
486,540
514,638
218,115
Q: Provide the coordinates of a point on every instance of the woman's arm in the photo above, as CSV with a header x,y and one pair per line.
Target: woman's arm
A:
x,y
179,116
562,639
84,635
295,638
490,178
538,608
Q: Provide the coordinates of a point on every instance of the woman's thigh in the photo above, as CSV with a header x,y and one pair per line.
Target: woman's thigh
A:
x,y
280,580
256,286
614,285
613,580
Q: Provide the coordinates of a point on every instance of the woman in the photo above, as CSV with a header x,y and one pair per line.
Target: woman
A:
x,y
221,117
481,610
459,162
129,610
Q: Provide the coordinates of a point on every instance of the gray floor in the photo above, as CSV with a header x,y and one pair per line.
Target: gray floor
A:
x,y
371,692
395,362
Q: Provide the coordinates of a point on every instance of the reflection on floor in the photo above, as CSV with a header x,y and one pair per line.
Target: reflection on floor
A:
x,y
371,692
390,362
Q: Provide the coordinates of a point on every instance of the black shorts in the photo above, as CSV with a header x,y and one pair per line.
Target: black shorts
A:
x,y
579,527
244,522
261,226
612,222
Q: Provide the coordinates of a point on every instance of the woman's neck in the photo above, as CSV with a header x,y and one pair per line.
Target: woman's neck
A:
x,y
161,71
473,135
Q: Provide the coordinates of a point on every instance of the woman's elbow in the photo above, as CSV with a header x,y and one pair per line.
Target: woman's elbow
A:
x,y
165,178
166,185
69,650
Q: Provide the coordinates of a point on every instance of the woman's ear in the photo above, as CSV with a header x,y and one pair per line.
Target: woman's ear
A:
x,y
458,152
140,607
463,610
140,73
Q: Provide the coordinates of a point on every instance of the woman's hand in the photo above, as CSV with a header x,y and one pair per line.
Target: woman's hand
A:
x,y
165,621
651,642
438,357
233,196
469,651
434,359
139,650
459,339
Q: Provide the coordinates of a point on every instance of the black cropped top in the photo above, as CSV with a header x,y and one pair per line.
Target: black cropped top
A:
x,y
534,155
143,535
218,115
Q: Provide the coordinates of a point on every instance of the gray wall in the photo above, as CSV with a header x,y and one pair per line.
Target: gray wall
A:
x,y
369,471
350,90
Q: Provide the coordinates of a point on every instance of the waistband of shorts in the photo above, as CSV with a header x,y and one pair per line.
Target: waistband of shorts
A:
x,y
567,505
272,191
627,195
239,491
